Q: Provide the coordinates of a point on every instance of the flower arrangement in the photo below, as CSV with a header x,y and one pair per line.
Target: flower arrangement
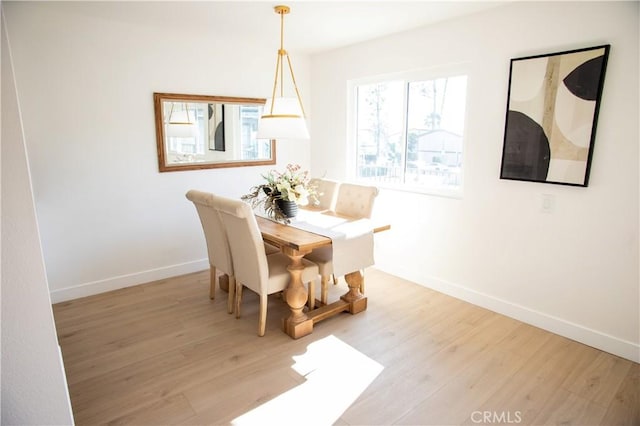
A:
x,y
292,185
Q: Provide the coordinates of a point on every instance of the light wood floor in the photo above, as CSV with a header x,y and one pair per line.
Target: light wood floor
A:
x,y
163,353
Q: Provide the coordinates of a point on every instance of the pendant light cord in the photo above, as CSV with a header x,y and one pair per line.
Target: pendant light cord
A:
x,y
281,53
282,10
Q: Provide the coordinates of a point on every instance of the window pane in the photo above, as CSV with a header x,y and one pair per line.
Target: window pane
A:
x,y
435,121
252,148
410,134
380,134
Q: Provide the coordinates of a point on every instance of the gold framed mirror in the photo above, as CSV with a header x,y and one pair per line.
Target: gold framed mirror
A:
x,y
196,132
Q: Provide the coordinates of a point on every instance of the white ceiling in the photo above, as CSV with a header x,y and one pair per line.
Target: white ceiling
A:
x,y
311,27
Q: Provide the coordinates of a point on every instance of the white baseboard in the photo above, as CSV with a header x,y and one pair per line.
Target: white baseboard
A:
x,y
577,332
562,327
114,283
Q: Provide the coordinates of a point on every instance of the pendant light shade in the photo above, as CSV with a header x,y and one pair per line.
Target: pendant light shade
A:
x,y
182,130
180,124
283,117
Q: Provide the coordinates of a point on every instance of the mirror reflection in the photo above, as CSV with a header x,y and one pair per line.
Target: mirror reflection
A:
x,y
198,132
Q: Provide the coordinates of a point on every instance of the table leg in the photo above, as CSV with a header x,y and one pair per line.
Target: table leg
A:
x,y
297,324
357,301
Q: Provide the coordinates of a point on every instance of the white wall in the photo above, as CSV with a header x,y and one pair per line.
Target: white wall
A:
x,y
34,391
85,81
574,271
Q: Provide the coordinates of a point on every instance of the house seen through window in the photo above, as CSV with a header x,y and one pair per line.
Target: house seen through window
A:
x,y
409,134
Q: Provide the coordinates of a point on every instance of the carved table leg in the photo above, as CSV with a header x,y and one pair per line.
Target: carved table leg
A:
x,y
297,324
357,302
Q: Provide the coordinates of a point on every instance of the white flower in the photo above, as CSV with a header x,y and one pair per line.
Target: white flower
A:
x,y
284,187
302,194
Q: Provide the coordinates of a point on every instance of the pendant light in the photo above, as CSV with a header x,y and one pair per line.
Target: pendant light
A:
x,y
283,117
180,124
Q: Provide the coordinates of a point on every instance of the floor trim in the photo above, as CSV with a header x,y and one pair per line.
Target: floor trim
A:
x,y
562,327
128,280
614,345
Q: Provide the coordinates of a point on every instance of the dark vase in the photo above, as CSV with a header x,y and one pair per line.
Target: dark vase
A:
x,y
289,208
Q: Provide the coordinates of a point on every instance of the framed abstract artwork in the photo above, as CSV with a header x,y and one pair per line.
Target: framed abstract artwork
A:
x,y
552,110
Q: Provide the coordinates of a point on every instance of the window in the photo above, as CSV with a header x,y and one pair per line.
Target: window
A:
x,y
409,133
252,148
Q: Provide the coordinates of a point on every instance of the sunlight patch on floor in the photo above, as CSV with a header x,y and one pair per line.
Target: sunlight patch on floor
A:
x,y
336,375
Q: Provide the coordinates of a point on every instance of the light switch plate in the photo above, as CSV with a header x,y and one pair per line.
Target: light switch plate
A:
x,y
548,204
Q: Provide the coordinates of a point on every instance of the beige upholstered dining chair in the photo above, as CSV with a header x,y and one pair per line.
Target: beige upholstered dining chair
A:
x,y
217,242
354,201
262,273
327,191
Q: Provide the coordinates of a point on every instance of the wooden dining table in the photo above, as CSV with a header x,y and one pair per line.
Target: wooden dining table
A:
x,y
296,243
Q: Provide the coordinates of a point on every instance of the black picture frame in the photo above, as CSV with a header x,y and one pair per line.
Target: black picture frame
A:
x,y
552,112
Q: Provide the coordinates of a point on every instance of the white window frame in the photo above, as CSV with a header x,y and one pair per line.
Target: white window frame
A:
x,y
407,76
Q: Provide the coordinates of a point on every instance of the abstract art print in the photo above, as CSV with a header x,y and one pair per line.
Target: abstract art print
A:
x,y
216,127
552,110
